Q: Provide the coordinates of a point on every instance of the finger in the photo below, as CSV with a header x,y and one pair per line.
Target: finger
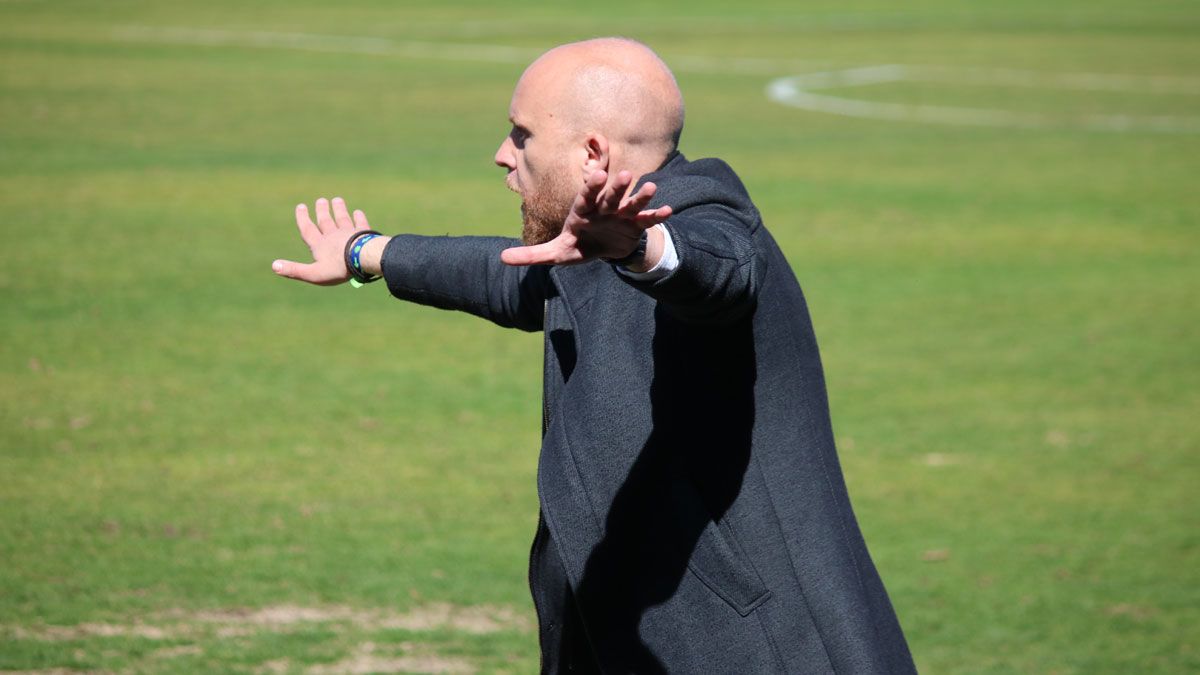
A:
x,y
308,232
638,201
324,221
340,215
549,253
586,201
360,221
647,219
295,270
610,201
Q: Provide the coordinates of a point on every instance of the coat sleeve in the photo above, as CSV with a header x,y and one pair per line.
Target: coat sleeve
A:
x,y
719,273
465,273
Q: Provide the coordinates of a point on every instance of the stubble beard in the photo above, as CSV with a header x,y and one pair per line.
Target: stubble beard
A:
x,y
543,212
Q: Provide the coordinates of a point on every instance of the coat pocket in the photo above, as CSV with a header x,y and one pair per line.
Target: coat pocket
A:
x,y
718,560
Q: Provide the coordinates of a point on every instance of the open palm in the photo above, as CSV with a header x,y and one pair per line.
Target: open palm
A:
x,y
603,223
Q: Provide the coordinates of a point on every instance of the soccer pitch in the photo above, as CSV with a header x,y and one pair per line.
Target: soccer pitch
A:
x,y
203,467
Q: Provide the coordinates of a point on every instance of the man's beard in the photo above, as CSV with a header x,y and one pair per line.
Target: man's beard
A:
x,y
544,212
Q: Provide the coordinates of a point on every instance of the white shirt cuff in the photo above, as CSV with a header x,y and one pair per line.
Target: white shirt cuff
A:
x,y
666,264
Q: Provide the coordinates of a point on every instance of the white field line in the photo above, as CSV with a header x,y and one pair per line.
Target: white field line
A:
x,y
313,42
1154,84
795,22
416,49
796,91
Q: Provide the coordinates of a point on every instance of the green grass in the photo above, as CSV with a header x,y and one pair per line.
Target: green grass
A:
x,y
1008,321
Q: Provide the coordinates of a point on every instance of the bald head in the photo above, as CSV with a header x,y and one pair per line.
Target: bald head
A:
x,y
608,104
616,87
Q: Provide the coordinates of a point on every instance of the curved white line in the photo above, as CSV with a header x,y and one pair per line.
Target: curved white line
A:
x,y
796,91
1009,77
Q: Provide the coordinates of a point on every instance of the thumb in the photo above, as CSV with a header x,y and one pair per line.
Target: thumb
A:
x,y
549,253
294,270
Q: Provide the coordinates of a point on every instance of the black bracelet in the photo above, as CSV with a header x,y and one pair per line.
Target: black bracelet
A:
x,y
638,254
351,258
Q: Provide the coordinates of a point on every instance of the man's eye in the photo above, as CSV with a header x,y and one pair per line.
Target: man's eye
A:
x,y
519,136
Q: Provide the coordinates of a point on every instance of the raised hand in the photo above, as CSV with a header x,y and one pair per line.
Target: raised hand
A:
x,y
327,240
603,223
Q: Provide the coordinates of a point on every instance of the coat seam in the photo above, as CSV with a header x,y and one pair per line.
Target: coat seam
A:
x,y
779,662
792,563
840,517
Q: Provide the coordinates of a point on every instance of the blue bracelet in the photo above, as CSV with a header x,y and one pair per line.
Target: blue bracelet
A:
x,y
354,249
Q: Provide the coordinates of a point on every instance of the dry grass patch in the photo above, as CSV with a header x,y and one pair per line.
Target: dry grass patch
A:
x,y
239,622
365,659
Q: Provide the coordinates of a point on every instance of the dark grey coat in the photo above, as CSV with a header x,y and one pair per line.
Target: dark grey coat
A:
x,y
688,476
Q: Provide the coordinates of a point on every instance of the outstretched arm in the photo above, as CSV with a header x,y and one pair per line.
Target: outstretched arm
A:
x,y
463,273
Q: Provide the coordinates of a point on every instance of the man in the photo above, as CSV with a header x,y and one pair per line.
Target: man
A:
x,y
693,513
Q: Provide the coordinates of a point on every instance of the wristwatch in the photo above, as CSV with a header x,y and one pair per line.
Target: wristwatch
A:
x,y
638,254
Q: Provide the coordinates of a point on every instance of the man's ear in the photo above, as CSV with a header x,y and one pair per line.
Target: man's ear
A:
x,y
596,148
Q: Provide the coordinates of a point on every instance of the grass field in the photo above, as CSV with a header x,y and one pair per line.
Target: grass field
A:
x,y
206,468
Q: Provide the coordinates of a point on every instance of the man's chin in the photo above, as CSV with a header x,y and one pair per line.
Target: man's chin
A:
x,y
534,231
542,218
534,235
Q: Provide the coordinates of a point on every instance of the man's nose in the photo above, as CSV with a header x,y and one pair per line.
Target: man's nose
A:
x,y
505,155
